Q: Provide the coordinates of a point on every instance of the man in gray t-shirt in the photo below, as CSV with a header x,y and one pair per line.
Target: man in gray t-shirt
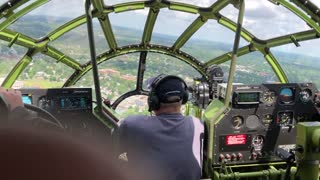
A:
x,y
168,143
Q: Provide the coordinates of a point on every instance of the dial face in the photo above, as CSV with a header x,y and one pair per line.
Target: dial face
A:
x,y
253,122
268,97
45,103
237,122
285,118
257,142
286,96
305,95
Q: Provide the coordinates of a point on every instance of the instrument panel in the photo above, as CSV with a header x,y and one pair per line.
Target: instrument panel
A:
x,y
57,101
261,119
71,106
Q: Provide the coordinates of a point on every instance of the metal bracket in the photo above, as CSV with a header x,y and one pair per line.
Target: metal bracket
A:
x,y
13,40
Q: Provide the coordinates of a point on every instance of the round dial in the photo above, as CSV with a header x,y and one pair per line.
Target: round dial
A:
x,y
253,122
285,118
237,122
257,142
305,95
45,103
268,97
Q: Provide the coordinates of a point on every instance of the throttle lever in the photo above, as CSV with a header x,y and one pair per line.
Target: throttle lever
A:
x,y
289,157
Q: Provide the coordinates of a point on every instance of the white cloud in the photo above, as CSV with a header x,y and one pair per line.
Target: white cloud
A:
x,y
267,20
316,2
262,18
61,8
142,11
201,3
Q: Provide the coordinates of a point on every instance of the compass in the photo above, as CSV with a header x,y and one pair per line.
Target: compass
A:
x,y
268,97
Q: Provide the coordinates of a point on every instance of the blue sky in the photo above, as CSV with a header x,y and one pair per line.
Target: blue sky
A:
x,y
262,18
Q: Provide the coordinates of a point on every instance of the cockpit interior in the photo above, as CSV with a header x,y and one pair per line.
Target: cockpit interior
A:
x,y
252,70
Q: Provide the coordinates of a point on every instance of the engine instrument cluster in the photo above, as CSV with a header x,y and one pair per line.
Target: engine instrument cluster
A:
x,y
261,119
71,106
57,101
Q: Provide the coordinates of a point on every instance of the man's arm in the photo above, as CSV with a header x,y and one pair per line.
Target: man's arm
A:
x,y
13,111
10,99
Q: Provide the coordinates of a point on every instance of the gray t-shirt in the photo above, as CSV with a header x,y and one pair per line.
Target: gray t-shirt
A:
x,y
169,143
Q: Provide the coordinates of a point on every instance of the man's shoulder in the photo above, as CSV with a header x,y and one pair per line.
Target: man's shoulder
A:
x,y
134,119
198,124
196,120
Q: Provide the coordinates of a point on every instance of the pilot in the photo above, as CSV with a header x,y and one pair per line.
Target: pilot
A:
x,y
13,112
166,141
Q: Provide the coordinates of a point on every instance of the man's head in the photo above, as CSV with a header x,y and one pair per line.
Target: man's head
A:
x,y
166,90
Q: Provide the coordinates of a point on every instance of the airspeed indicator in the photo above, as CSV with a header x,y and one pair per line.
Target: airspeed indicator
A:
x,y
268,97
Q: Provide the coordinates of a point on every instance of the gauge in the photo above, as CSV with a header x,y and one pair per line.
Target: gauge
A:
x,y
268,97
45,103
285,118
267,120
253,122
305,95
286,96
237,122
257,142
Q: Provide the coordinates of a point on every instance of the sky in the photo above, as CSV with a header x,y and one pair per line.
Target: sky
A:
x,y
262,18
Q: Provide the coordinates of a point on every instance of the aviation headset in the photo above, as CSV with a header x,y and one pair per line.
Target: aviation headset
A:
x,y
154,100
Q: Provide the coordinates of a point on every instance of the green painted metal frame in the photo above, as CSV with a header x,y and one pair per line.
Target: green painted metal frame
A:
x,y
14,74
101,12
137,48
9,11
15,16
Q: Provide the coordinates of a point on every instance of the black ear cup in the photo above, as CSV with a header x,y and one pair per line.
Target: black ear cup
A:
x,y
185,97
153,99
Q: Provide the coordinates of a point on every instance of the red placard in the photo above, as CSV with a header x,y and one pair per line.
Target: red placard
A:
x,y
238,139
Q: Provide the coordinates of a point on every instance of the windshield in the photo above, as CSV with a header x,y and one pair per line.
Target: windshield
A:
x,y
279,43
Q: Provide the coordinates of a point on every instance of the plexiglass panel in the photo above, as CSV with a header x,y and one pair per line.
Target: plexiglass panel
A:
x,y
128,26
3,1
301,64
117,76
251,69
266,20
75,43
202,3
169,25
316,2
44,72
133,105
159,63
113,2
48,17
24,5
9,57
210,41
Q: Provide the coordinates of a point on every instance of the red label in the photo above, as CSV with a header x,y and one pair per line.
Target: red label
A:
x,y
236,139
